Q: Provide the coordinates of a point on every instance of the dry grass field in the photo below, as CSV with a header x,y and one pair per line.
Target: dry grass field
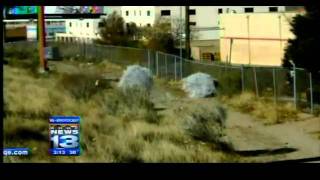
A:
x,y
163,126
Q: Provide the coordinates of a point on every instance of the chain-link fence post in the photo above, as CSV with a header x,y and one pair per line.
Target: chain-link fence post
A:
x,y
255,81
157,63
274,86
181,76
311,93
242,79
149,59
175,68
294,74
275,91
166,63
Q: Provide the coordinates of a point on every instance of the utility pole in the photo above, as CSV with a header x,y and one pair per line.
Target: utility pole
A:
x,y
187,33
180,32
42,39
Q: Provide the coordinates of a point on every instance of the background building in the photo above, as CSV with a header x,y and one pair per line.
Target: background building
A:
x,y
205,24
80,30
141,15
255,38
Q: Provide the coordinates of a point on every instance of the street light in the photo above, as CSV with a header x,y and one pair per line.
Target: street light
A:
x,y
294,82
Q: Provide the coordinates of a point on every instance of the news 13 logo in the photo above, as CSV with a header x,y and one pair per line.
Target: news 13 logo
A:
x,y
64,135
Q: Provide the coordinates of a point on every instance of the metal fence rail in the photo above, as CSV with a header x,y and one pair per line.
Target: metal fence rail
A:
x,y
272,82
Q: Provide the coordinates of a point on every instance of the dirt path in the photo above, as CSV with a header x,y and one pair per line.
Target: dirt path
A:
x,y
254,140
282,141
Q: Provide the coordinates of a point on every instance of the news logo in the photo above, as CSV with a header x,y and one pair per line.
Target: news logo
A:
x,y
64,135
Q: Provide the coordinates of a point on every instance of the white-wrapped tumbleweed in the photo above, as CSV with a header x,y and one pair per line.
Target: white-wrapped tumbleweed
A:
x,y
199,85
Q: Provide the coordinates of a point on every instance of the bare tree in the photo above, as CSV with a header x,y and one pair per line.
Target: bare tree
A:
x,y
178,29
114,31
159,36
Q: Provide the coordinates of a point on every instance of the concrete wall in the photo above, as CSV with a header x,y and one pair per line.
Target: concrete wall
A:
x,y
258,38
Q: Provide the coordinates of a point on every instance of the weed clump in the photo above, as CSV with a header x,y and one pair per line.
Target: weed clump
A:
x,y
81,85
131,104
208,124
263,108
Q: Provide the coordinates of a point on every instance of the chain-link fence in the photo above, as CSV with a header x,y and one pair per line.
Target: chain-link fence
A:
x,y
277,83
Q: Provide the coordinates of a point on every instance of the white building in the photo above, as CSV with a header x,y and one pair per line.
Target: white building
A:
x,y
84,30
141,15
81,30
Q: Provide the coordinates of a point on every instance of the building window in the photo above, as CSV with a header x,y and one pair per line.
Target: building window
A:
x,y
192,23
220,11
87,24
134,12
140,13
100,24
148,13
127,13
192,12
70,24
248,10
149,25
165,13
273,9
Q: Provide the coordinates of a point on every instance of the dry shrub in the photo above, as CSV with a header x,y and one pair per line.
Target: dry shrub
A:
x,y
208,124
316,110
244,102
81,85
263,108
286,112
25,95
132,104
108,67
